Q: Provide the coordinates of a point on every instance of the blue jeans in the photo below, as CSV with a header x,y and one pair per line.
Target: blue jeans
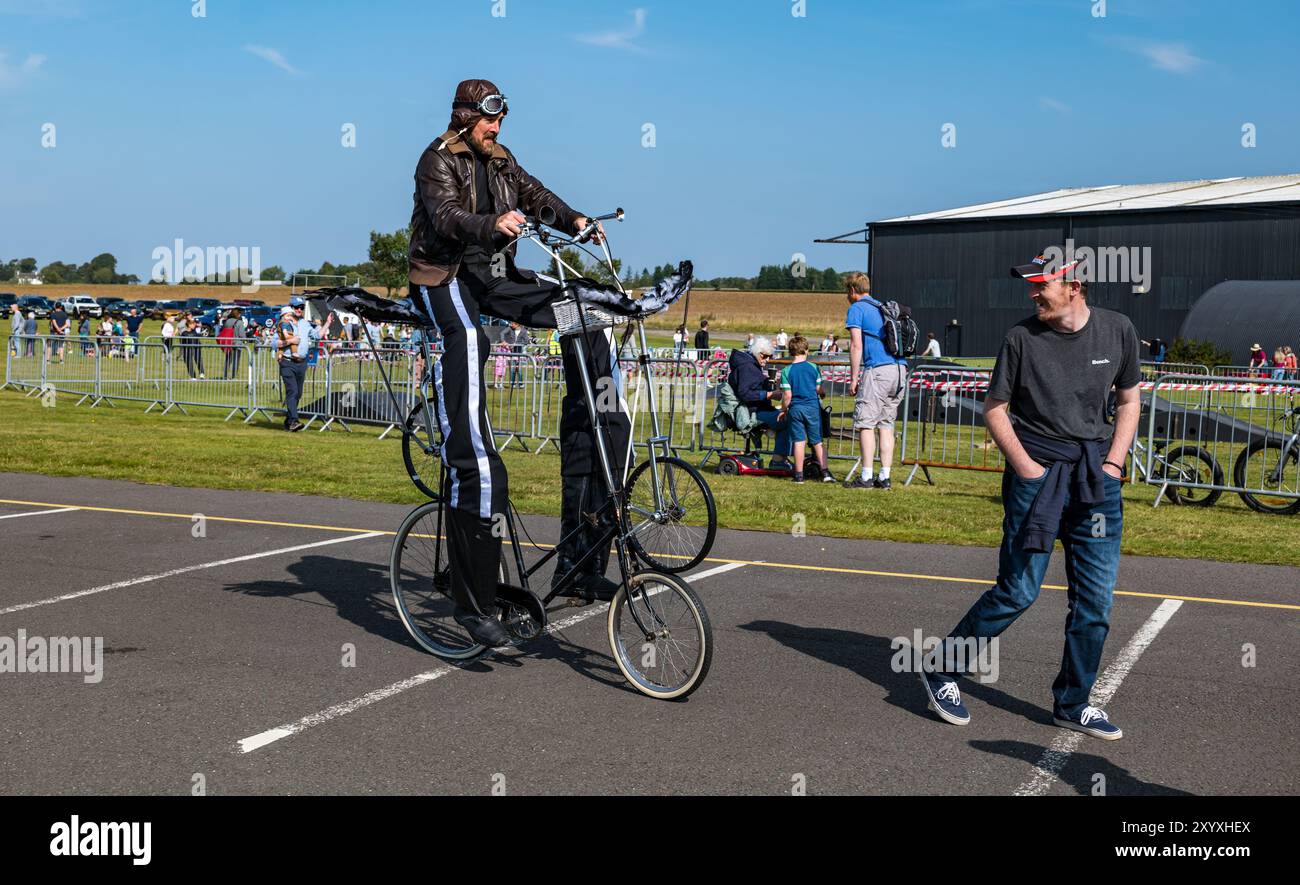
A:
x,y
768,417
1091,566
294,376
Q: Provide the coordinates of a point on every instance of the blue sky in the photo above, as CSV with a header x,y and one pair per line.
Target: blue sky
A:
x,y
770,129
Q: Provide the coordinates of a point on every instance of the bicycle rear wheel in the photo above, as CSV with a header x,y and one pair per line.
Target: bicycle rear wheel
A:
x,y
1191,464
658,532
669,659
419,451
1261,465
420,574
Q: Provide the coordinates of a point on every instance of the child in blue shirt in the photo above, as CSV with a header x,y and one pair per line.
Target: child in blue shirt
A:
x,y
801,393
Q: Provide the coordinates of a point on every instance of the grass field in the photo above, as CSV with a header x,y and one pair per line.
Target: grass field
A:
x,y
200,450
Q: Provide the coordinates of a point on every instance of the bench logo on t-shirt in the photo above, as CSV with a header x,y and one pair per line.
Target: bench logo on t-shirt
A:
x,y
1100,362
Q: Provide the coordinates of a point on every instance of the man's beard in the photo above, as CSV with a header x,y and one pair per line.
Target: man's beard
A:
x,y
481,147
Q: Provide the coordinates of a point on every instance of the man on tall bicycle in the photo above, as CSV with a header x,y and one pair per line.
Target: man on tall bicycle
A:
x,y
470,200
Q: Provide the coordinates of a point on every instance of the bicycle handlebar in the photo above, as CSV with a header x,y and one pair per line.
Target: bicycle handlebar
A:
x,y
593,224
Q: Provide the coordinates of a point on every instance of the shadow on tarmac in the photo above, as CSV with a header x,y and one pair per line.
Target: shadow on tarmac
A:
x,y
360,594
1081,770
871,658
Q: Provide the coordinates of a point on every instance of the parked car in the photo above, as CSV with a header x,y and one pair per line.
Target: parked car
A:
x,y
75,304
7,299
146,306
109,302
166,307
38,304
250,302
198,305
259,315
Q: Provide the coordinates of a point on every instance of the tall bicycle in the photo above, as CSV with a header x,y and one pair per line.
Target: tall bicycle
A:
x,y
657,626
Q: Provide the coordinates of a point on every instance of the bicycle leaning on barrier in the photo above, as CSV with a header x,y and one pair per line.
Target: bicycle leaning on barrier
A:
x,y
658,629
1274,466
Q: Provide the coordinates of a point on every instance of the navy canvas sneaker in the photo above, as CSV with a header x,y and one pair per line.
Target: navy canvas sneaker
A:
x,y
1091,721
945,699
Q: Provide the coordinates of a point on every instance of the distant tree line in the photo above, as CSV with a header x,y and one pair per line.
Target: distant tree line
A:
x,y
386,266
100,270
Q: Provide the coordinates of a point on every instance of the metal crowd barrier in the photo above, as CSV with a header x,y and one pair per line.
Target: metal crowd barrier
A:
x,y
943,421
1270,373
1151,370
1241,435
1243,431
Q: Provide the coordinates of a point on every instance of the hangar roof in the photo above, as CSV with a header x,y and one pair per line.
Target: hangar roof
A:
x,y
1130,197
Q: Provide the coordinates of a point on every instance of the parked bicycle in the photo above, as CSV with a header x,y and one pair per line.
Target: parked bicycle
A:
x,y
1271,465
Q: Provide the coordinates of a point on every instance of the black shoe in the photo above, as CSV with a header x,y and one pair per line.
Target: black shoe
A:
x,y
798,477
483,630
860,483
295,427
826,477
883,484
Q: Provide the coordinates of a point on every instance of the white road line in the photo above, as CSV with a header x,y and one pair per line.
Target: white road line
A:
x,y
118,585
1049,766
38,512
271,735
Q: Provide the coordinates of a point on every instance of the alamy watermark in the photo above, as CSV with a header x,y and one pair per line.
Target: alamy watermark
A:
x,y
179,263
971,656
1105,264
55,654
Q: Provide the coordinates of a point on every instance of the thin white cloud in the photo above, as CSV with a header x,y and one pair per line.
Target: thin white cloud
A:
x,y
1176,58
1053,104
624,39
274,57
14,75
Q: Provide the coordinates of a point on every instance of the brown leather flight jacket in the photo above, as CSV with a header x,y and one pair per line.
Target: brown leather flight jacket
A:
x,y
446,216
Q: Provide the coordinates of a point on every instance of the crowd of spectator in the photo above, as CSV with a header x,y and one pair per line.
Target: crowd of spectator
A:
x,y
1281,368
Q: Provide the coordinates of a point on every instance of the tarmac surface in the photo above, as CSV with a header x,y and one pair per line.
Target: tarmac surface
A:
x,y
224,666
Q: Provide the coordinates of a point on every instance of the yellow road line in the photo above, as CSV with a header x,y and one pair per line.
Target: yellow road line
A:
x,y
764,564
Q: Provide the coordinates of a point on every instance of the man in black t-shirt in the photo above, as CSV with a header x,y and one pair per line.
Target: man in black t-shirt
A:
x,y
702,341
58,329
1046,410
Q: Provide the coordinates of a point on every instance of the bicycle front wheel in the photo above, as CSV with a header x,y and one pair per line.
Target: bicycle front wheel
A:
x,y
419,570
657,524
668,654
419,451
1261,466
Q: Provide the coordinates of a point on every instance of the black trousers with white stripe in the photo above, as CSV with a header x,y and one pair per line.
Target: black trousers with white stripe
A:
x,y
479,485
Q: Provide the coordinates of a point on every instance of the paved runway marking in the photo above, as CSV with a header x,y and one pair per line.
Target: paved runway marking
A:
x,y
179,571
236,519
1049,766
39,512
271,735
1214,600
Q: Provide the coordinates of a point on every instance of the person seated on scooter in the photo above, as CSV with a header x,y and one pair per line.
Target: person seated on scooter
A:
x,y
748,378
801,395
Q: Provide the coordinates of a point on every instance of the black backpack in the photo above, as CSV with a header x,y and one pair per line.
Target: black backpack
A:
x,y
899,333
